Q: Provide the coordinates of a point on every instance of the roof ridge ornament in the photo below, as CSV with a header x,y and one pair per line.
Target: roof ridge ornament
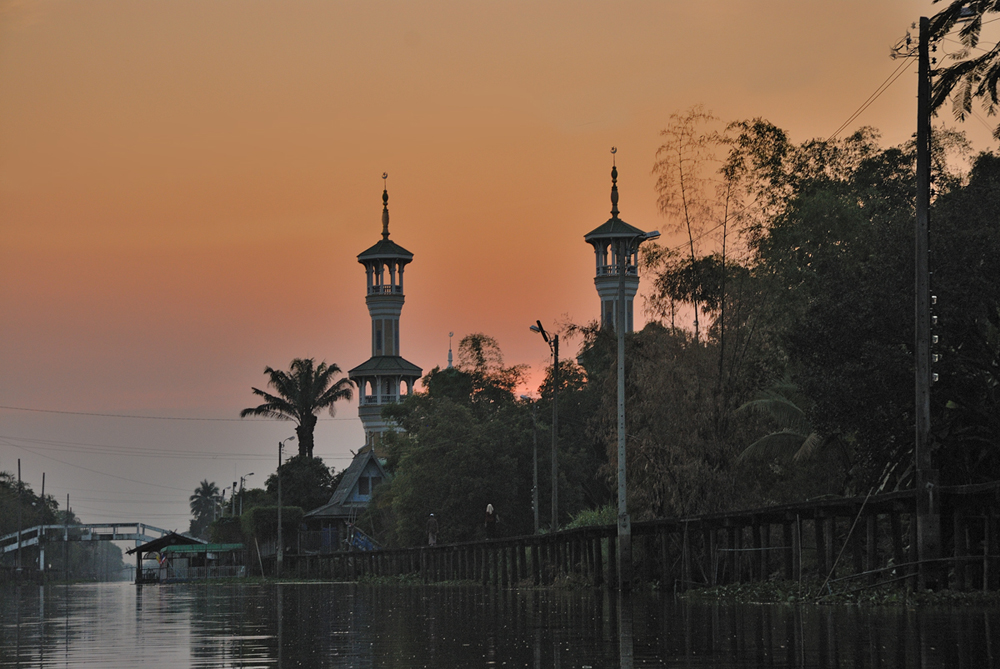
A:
x,y
614,183
385,206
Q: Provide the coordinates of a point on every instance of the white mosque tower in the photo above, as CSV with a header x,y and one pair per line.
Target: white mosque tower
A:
x,y
608,240
385,377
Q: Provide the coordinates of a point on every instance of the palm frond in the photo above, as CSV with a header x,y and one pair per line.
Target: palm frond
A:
x,y
783,445
813,445
783,411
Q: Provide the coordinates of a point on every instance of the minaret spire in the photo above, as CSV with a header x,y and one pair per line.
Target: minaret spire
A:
x,y
450,335
385,206
614,184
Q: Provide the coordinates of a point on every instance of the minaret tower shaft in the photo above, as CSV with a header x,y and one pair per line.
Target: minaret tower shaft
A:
x,y
385,377
611,241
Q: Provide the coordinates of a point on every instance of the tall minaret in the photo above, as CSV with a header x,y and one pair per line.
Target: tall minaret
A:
x,y
385,377
609,240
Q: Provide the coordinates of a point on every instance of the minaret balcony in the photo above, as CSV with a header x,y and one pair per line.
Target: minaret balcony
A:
x,y
385,290
612,270
374,399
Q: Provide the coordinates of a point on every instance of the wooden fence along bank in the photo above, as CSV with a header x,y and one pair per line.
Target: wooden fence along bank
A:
x,y
853,543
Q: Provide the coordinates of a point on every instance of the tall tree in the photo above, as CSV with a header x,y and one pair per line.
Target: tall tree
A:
x,y
686,191
300,394
305,482
969,77
203,505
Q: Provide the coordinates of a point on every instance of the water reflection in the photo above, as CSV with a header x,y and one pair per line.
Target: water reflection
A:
x,y
347,625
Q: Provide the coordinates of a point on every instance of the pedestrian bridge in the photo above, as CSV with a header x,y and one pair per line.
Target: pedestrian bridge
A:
x,y
140,533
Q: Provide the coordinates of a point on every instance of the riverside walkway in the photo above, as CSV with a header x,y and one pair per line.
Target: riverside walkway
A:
x,y
851,543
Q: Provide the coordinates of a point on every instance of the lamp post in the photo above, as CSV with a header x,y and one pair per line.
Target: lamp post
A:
x,y
534,472
242,479
554,345
281,543
624,526
220,501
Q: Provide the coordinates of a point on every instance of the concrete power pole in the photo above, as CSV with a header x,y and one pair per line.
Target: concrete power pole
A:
x,y
928,500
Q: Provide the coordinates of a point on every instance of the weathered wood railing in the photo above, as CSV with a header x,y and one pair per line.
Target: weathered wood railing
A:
x,y
857,542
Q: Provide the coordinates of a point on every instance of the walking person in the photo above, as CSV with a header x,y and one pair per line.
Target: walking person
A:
x,y
491,522
432,530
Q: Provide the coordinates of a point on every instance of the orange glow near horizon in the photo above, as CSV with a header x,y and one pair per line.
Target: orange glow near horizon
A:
x,y
185,186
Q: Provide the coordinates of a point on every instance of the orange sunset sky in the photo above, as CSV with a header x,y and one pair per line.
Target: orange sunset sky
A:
x,y
185,186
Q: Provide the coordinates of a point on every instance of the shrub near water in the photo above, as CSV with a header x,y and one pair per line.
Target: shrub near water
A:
x,y
606,515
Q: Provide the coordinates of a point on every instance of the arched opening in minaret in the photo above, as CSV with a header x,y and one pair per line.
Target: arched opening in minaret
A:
x,y
390,390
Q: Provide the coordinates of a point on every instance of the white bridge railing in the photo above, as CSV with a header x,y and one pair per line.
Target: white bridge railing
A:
x,y
139,532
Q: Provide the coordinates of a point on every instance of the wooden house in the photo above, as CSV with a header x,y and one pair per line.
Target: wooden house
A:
x,y
331,527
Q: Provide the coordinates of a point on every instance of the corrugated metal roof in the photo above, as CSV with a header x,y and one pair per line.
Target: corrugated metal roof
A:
x,y
172,539
203,548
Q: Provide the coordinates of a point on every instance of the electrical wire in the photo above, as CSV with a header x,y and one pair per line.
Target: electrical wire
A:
x,y
883,87
181,418
88,469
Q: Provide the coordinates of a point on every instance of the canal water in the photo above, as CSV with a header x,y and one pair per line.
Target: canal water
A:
x,y
350,625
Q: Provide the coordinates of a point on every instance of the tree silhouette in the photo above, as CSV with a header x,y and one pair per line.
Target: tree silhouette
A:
x,y
971,76
203,505
300,394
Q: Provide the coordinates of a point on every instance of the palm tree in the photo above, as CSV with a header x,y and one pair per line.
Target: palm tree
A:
x,y
203,504
796,440
300,394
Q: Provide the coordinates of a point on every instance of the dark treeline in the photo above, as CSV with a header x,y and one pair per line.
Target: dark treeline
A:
x,y
795,381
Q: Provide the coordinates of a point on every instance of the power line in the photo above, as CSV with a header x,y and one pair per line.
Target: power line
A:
x,y
133,416
138,452
88,469
889,81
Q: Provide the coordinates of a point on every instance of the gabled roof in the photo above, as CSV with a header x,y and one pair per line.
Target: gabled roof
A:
x,y
612,228
335,507
203,548
387,249
172,539
386,364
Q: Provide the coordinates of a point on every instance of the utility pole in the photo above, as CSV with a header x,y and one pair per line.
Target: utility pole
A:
x,y
553,343
41,532
555,433
928,502
280,555
281,544
624,524
66,541
534,473
19,487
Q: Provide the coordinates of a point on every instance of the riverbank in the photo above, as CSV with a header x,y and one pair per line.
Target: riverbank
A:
x,y
813,591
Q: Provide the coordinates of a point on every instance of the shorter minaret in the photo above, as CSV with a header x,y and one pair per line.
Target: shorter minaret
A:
x,y
610,241
385,377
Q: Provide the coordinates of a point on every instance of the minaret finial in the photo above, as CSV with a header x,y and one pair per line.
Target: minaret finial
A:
x,y
614,184
385,206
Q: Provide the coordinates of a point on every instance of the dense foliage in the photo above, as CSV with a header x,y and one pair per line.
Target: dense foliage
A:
x,y
799,380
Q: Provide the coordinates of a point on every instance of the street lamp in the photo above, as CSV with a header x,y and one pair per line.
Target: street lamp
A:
x,y
554,345
281,544
242,480
220,501
534,473
625,248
